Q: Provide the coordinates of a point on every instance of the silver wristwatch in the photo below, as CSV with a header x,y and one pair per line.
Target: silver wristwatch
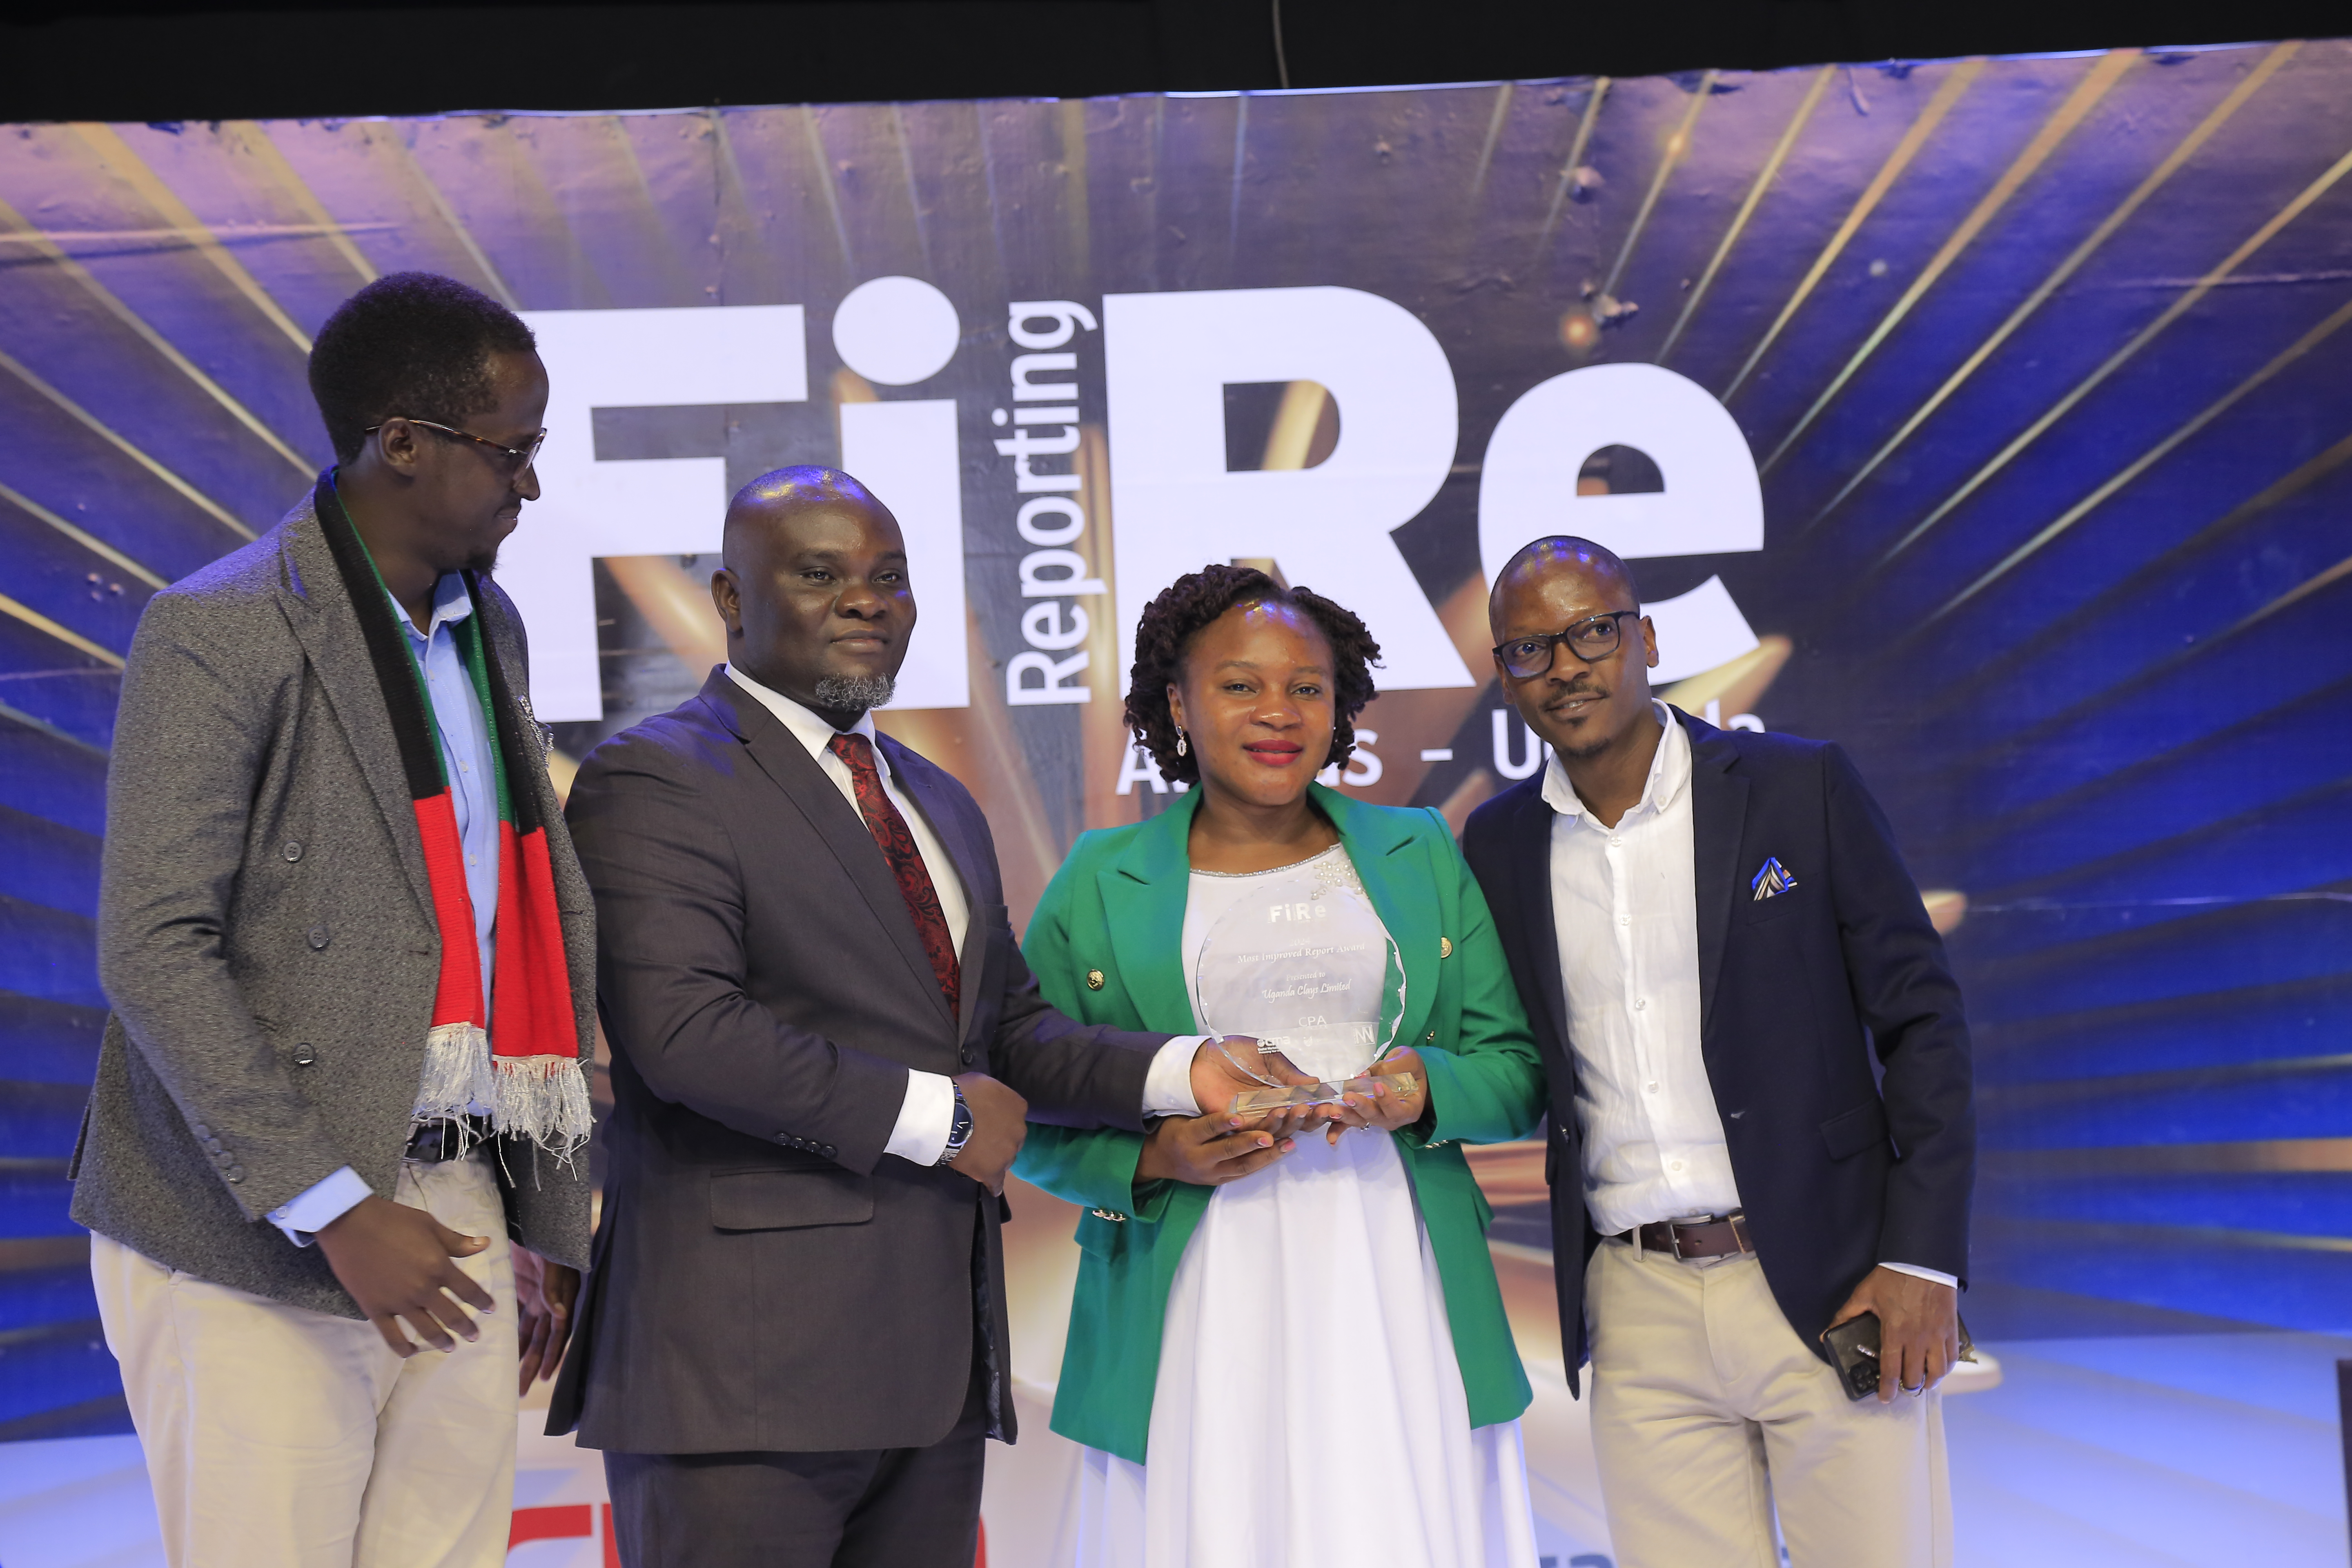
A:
x,y
959,1129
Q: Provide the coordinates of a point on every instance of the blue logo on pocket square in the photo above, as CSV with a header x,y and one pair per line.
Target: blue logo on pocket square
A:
x,y
1772,880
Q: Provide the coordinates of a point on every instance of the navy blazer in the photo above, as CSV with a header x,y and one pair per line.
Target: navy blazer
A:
x,y
1840,1167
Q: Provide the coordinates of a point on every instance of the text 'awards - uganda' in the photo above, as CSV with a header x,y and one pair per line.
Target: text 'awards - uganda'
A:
x,y
1304,966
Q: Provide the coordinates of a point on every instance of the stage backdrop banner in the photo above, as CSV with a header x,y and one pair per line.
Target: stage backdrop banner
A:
x,y
1989,416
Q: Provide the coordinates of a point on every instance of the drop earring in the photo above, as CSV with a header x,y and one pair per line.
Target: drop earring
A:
x,y
1180,747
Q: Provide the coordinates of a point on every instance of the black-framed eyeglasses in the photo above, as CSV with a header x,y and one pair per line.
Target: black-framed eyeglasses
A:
x,y
516,458
1591,640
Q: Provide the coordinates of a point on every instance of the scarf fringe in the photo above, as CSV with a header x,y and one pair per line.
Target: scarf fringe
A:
x,y
541,1100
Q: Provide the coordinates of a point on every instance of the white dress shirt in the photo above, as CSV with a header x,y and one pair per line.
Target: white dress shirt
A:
x,y
1624,907
927,1115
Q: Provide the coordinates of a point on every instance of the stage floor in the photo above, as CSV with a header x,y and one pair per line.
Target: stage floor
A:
x,y
2149,1452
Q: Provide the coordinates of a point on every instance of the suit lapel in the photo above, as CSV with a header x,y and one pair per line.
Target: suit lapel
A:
x,y
788,764
1144,892
1397,882
1719,817
326,623
921,782
1530,838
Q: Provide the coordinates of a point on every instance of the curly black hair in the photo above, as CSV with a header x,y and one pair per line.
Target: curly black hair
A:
x,y
1171,622
411,345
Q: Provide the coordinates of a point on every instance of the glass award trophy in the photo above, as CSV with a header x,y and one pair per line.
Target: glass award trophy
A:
x,y
1303,964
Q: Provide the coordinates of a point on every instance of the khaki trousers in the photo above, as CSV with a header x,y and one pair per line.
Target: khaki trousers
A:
x,y
278,1437
1708,1412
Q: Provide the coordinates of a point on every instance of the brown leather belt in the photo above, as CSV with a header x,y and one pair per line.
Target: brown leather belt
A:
x,y
1686,1240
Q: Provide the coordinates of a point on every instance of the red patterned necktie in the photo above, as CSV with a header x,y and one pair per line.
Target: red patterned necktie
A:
x,y
890,831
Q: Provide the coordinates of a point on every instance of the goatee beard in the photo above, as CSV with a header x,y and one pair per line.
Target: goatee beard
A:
x,y
854,693
483,562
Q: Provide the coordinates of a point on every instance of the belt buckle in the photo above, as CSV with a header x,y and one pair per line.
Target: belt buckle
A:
x,y
1737,1219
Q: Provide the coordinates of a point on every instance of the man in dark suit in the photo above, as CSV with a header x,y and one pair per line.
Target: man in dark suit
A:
x,y
825,1042
1712,932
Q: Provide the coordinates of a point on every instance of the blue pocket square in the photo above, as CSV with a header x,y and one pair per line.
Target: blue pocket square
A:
x,y
1771,880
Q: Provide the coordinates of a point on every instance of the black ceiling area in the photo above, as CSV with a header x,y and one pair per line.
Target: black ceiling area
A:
x,y
165,61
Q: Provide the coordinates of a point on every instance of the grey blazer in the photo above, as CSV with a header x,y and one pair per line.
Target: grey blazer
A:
x,y
266,933
766,1279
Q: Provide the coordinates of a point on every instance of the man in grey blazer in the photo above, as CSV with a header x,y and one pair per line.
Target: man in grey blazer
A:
x,y
825,1041
310,908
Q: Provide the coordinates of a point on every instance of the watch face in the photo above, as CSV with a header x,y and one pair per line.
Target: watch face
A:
x,y
959,1129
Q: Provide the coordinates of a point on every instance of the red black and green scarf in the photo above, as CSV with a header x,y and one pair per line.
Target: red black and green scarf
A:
x,y
515,1051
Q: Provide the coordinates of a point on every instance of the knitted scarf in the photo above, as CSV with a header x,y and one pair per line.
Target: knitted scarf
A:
x,y
516,1052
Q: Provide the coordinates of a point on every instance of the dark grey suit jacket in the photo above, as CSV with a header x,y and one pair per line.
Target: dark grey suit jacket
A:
x,y
766,1279
266,931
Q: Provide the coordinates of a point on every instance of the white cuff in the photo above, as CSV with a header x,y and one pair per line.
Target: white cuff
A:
x,y
926,1117
1940,1277
1168,1088
321,1205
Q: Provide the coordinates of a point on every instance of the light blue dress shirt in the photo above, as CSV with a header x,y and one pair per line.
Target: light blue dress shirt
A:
x,y
466,754
468,757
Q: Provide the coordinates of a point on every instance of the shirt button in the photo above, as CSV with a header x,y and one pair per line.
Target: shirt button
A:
x,y
964,1056
1616,843
1624,919
1673,1165
1650,1087
319,938
828,1150
1640,1003
237,1173
304,1055
293,850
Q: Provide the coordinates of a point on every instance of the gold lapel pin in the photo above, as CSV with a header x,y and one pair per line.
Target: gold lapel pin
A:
x,y
1094,979
1445,947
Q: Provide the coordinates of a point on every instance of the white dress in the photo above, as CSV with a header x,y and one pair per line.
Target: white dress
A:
x,y
1309,1411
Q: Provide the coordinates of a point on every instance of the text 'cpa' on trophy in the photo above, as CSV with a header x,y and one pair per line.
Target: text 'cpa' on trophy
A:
x,y
1306,968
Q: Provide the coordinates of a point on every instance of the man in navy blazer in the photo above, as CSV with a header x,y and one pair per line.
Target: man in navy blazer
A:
x,y
1715,934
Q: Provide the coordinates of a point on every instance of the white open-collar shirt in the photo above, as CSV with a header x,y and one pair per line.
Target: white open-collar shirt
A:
x,y
1625,903
928,1113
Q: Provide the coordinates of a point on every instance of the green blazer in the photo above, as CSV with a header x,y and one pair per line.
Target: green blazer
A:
x,y
1106,945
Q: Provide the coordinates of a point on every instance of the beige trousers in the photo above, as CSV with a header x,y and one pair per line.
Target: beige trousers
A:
x,y
278,1437
1708,1412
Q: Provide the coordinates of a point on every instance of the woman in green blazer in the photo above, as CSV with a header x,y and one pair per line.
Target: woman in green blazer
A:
x,y
1294,1319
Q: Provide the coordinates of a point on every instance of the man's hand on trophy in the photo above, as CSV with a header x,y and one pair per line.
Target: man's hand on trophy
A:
x,y
1399,1094
1236,1064
1211,1150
